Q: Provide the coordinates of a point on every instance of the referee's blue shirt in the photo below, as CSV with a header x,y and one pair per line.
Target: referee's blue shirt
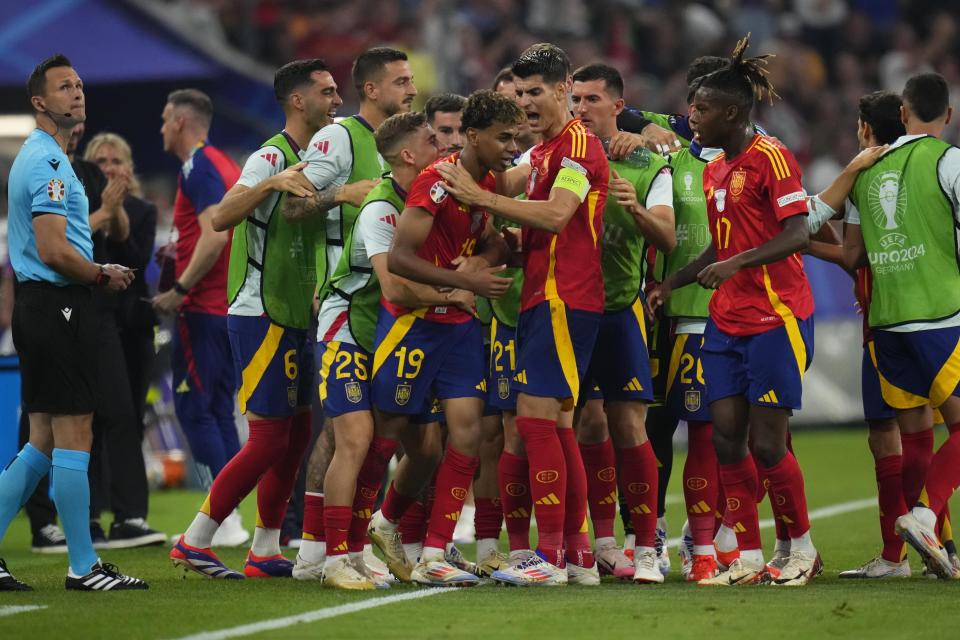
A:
x,y
43,182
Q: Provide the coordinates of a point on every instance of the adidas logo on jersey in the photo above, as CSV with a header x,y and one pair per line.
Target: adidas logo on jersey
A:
x,y
390,219
271,158
322,146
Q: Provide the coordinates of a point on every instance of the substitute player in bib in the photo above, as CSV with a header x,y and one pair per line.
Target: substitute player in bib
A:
x,y
911,247
271,281
758,340
343,165
561,302
620,365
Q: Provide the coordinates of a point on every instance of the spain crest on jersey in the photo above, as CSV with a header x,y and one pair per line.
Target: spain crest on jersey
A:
x,y
353,391
737,179
691,400
503,387
402,396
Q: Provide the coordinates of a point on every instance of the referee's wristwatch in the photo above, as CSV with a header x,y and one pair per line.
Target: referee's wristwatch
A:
x,y
179,288
103,278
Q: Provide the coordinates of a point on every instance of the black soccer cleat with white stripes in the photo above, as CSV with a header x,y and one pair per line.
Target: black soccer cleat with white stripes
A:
x,y
8,582
105,577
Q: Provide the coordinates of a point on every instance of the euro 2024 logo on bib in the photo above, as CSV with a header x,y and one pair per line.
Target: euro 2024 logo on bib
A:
x,y
887,198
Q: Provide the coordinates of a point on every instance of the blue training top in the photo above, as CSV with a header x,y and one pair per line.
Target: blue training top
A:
x,y
43,182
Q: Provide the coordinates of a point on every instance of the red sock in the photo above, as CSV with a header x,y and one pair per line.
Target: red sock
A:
x,y
892,505
763,490
917,454
413,524
276,485
943,476
266,445
700,480
576,533
600,462
721,502
453,481
953,428
336,521
368,486
395,504
489,518
548,482
313,527
740,486
638,477
513,476
786,492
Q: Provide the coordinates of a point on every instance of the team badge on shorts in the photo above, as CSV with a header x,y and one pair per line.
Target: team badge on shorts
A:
x,y
503,387
353,391
691,400
402,396
292,392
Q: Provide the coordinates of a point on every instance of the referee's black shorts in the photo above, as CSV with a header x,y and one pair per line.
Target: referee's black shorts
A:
x,y
55,334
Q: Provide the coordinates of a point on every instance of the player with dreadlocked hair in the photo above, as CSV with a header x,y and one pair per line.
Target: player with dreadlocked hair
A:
x,y
758,340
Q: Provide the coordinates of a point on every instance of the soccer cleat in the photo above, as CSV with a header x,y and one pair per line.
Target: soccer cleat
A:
x,y
927,544
685,551
725,558
647,569
231,533
203,561
660,544
267,566
800,569
356,559
583,576
386,537
530,571
49,539
955,563
105,577
303,570
339,573
739,573
435,571
702,567
493,561
8,582
376,568
779,560
612,561
133,532
97,536
455,557
879,568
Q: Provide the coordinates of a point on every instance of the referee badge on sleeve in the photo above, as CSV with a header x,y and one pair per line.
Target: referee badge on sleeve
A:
x,y
56,191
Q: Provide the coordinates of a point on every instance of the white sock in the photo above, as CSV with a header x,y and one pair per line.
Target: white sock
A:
x,y
804,543
638,551
486,547
200,532
413,550
926,517
606,542
312,551
726,539
330,560
704,550
752,557
266,542
431,554
662,523
629,541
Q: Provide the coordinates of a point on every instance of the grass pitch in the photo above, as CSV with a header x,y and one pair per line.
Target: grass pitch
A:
x,y
838,470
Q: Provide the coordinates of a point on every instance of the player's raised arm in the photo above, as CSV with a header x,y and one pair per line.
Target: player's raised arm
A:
x,y
241,200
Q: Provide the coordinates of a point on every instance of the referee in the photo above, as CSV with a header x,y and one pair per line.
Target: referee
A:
x,y
54,327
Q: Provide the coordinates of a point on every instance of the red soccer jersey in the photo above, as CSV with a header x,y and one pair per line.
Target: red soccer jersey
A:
x,y
455,232
748,198
566,265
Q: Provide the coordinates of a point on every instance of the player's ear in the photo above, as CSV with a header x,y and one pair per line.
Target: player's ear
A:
x,y
949,115
618,106
904,113
369,90
472,135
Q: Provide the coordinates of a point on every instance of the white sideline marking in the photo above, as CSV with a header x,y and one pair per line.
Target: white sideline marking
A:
x,y
817,514
21,608
313,616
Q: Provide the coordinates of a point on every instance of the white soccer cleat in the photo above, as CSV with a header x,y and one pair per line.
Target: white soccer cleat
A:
x,y
685,551
455,557
739,573
376,567
356,559
612,561
663,553
779,560
493,561
927,544
303,570
385,535
340,573
583,576
646,567
878,568
800,569
231,533
531,571
434,571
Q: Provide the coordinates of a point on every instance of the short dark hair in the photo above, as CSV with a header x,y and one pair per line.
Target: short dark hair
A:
x,y
370,63
294,75
198,102
443,103
881,110
544,59
599,71
485,108
37,82
393,131
927,95
704,65
504,75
